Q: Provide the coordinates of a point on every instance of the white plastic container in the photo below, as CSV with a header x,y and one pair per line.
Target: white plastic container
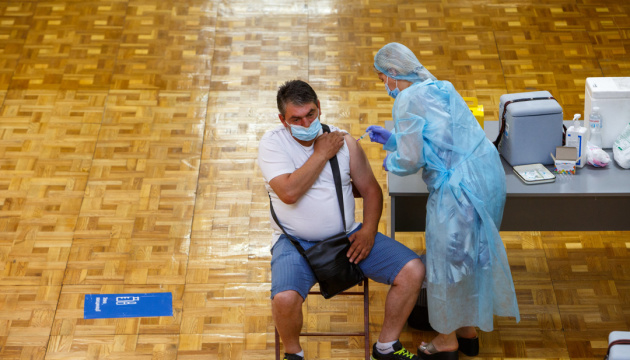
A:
x,y
619,352
612,96
576,137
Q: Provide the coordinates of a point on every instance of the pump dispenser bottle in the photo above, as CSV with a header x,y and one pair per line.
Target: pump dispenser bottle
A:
x,y
576,137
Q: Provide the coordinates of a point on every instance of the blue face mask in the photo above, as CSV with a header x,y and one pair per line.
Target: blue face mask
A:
x,y
392,93
306,134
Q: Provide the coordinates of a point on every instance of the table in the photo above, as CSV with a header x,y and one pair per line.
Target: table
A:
x,y
595,199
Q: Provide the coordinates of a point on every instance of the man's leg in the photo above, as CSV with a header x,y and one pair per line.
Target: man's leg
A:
x,y
291,279
286,308
401,299
391,262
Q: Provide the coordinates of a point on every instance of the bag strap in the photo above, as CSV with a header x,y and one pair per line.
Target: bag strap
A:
x,y
299,247
334,164
617,342
502,129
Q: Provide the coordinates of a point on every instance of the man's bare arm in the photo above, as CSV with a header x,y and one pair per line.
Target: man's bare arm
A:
x,y
365,182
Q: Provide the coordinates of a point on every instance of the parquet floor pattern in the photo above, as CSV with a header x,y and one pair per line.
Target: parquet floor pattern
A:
x,y
128,143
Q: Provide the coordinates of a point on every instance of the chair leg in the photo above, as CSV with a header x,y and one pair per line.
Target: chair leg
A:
x,y
366,317
366,323
277,344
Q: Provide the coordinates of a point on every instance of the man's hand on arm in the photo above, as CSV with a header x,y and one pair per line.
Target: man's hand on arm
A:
x,y
328,144
365,182
290,187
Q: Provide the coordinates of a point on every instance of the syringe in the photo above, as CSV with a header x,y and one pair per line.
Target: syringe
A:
x,y
362,136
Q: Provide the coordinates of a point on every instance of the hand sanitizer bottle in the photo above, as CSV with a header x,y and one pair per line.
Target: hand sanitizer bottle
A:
x,y
576,137
595,124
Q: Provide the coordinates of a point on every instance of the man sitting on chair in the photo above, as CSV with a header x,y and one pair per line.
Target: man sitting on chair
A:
x,y
294,161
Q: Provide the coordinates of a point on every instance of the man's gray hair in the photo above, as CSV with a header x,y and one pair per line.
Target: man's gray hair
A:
x,y
296,92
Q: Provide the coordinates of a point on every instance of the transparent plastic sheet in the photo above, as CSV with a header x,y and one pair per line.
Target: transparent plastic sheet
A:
x,y
621,148
468,276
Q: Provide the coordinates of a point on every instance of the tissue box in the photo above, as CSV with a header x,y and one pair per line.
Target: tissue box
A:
x,y
533,127
565,160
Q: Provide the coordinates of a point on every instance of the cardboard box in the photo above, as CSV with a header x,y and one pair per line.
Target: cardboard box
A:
x,y
565,160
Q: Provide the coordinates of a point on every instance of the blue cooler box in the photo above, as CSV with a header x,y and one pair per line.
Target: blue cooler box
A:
x,y
533,127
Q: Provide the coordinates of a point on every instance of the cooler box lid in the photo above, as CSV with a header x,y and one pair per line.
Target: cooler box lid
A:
x,y
531,108
608,87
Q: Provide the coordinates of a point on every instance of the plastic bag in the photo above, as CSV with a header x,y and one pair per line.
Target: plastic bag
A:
x,y
621,148
595,156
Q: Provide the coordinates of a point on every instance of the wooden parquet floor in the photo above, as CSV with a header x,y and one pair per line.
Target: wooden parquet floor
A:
x,y
128,138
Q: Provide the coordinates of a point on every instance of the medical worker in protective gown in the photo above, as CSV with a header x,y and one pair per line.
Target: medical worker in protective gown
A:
x,y
468,276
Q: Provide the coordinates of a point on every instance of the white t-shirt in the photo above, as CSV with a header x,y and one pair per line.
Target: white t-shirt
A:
x,y
316,215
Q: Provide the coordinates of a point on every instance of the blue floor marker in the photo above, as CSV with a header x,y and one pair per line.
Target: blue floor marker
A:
x,y
106,306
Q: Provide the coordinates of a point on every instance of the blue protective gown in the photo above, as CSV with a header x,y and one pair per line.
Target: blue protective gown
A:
x,y
468,276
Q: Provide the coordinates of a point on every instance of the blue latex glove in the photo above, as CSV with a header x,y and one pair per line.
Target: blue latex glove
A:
x,y
378,134
385,162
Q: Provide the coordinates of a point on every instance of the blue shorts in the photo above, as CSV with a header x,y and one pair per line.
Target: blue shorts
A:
x,y
290,271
